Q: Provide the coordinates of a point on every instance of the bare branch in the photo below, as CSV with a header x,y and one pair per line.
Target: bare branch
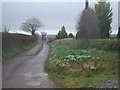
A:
x,y
31,25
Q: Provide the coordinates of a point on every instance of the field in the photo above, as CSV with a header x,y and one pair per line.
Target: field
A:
x,y
76,64
13,44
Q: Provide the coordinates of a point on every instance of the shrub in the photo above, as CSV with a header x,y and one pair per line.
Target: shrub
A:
x,y
105,44
13,44
118,35
50,40
71,35
62,33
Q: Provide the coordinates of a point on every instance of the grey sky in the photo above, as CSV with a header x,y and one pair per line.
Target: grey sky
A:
x,y
52,14
119,14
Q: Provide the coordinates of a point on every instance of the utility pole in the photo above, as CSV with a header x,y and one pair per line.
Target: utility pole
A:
x,y
86,4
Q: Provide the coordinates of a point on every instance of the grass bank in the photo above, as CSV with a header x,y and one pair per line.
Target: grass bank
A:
x,y
0,47
13,44
76,64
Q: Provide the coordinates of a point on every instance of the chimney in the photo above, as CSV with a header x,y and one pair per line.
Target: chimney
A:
x,y
86,4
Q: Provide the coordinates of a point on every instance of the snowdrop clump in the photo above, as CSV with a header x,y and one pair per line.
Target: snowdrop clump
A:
x,y
84,56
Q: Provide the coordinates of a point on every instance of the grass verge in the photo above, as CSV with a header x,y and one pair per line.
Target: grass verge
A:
x,y
71,66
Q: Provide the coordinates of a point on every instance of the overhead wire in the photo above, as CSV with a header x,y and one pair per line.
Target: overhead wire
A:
x,y
78,16
65,21
67,13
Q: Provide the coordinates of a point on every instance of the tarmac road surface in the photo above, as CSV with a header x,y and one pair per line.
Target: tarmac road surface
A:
x,y
27,70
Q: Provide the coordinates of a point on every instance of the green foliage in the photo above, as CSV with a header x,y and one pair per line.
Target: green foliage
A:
x,y
99,44
83,56
118,34
71,35
62,33
104,13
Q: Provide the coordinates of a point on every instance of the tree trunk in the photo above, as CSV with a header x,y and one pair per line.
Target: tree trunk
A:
x,y
33,32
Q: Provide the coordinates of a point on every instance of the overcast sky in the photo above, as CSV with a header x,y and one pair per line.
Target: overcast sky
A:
x,y
52,14
119,14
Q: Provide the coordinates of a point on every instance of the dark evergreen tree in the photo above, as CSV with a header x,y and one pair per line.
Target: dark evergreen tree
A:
x,y
104,13
71,35
62,34
118,34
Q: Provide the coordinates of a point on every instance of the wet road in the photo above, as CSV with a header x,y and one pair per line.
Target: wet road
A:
x,y
27,69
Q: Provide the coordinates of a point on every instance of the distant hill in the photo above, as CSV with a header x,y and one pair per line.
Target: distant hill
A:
x,y
50,36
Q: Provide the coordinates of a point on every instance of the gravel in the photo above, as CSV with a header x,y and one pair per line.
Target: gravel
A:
x,y
109,84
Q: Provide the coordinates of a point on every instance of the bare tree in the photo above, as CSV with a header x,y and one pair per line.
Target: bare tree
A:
x,y
5,29
31,25
88,25
37,37
43,35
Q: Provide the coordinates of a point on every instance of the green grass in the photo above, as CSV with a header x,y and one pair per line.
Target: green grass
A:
x,y
15,51
73,74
